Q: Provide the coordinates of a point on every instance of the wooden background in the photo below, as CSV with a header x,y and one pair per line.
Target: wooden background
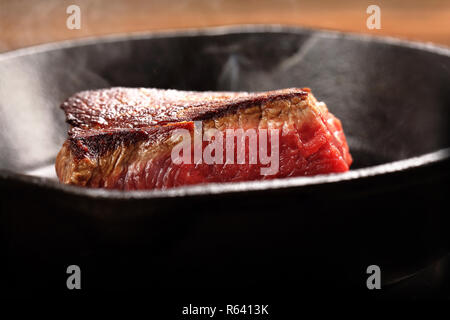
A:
x,y
28,22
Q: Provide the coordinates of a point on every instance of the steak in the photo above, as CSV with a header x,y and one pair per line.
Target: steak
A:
x,y
124,138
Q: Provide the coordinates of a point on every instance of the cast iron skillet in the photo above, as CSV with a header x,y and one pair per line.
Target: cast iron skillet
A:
x,y
318,233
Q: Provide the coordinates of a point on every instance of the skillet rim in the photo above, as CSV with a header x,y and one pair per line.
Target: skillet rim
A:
x,y
223,30
234,187
439,155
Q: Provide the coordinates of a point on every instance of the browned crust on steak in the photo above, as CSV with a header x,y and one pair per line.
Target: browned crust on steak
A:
x,y
92,157
140,107
98,141
116,131
102,119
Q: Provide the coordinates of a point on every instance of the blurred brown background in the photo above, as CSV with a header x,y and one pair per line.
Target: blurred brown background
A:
x,y
28,22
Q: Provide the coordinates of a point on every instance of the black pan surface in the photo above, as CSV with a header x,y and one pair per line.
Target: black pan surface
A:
x,y
320,232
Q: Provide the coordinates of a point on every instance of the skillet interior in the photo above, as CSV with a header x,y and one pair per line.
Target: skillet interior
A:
x,y
392,98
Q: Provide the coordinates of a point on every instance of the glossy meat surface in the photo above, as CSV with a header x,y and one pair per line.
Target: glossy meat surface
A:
x,y
122,138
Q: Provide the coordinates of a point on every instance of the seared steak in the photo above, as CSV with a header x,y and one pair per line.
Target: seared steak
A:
x,y
123,138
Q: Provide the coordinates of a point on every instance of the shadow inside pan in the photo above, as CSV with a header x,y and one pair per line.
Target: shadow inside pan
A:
x,y
392,99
